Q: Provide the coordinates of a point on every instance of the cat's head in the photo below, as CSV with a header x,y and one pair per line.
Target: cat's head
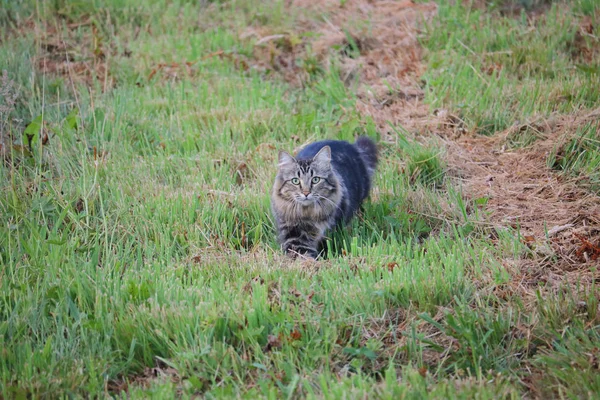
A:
x,y
310,182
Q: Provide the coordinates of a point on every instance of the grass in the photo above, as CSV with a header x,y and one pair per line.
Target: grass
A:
x,y
500,71
579,156
137,249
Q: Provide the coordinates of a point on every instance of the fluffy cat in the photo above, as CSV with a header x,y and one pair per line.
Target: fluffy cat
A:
x,y
322,186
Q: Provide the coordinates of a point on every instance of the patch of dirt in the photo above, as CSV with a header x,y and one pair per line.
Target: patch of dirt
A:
x,y
173,71
391,329
144,379
514,8
374,43
384,55
276,54
558,219
8,98
79,54
586,43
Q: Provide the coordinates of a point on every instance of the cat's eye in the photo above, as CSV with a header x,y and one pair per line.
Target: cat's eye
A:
x,y
316,179
295,181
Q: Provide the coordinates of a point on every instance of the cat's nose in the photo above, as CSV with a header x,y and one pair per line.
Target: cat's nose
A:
x,y
306,193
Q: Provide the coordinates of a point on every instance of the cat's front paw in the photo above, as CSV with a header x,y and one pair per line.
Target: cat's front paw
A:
x,y
302,253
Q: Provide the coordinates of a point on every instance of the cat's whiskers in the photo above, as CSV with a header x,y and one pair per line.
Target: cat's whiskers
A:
x,y
319,197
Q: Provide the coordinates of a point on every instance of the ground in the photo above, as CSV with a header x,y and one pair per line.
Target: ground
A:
x,y
138,142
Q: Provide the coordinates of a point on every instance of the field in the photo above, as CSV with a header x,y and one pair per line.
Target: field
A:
x,y
138,147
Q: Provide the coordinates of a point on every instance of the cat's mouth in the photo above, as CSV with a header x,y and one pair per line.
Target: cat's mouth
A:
x,y
306,201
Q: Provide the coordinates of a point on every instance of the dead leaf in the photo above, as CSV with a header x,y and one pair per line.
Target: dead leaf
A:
x,y
587,248
241,173
391,266
80,205
273,342
295,335
529,239
213,54
256,280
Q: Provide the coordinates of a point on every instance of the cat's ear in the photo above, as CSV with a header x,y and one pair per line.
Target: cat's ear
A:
x,y
285,159
323,157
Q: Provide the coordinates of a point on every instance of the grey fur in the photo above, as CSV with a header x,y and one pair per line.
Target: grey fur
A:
x,y
310,197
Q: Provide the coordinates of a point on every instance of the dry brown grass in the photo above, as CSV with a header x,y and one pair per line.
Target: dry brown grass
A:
x,y
389,66
373,43
77,51
552,212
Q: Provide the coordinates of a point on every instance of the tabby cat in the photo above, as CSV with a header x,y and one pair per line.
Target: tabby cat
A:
x,y
322,186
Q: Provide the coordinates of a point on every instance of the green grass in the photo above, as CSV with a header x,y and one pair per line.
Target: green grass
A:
x,y
579,156
497,71
128,242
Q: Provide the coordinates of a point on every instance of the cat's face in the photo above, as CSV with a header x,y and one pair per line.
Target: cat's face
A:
x,y
306,182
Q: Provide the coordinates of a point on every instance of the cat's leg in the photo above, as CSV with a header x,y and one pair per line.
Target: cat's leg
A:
x,y
322,248
300,240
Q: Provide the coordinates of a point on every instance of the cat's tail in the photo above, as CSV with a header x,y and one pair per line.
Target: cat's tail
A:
x,y
368,152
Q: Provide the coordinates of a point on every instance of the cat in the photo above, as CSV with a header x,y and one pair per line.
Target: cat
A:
x,y
323,186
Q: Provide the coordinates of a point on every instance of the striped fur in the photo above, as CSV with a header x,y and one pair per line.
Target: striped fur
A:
x,y
322,186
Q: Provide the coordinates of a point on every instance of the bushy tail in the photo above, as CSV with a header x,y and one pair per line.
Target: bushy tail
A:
x,y
368,152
